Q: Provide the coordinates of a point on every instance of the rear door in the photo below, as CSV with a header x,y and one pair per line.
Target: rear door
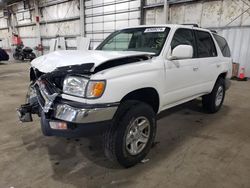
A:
x,y
209,61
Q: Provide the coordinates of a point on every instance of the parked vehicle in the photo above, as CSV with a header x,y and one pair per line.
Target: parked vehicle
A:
x,y
3,55
132,76
22,53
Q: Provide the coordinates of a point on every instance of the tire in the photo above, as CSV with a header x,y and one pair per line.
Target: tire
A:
x,y
16,56
32,56
121,140
213,101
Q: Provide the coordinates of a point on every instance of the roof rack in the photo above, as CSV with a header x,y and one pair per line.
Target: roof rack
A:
x,y
194,25
213,31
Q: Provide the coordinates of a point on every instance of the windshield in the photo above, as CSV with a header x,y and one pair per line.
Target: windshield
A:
x,y
150,39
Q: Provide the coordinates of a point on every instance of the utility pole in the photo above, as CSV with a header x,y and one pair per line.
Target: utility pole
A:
x,y
165,12
38,31
82,18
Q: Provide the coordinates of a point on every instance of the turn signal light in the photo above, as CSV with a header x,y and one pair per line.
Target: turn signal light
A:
x,y
98,89
58,125
95,89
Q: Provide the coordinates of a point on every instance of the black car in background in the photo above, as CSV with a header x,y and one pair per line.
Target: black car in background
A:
x,y
3,55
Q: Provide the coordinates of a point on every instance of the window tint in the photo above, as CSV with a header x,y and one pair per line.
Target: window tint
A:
x,y
119,42
205,45
223,45
183,37
136,39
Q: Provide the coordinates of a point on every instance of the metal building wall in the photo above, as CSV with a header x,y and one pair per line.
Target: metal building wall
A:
x,y
105,16
239,42
3,31
153,14
62,19
57,18
23,22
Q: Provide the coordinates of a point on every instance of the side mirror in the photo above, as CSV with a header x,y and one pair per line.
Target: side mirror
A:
x,y
182,52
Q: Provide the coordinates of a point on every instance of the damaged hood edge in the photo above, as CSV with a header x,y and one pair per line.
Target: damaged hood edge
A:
x,y
49,62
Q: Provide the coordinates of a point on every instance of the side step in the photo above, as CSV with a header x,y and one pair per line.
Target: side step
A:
x,y
24,113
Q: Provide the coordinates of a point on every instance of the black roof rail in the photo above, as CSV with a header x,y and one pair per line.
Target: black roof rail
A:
x,y
195,25
213,31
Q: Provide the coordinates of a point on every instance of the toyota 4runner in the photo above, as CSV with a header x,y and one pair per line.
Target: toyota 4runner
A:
x,y
132,76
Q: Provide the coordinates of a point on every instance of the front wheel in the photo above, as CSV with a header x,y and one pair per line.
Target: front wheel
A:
x,y
130,137
213,101
16,56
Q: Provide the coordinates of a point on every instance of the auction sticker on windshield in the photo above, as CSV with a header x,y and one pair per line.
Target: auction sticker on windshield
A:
x,y
154,29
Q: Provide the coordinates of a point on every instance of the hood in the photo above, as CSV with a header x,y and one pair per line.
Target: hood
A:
x,y
51,61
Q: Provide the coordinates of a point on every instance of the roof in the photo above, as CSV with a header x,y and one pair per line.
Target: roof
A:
x,y
170,26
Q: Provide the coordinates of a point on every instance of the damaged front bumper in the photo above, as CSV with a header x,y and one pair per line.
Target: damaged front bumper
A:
x,y
53,109
87,114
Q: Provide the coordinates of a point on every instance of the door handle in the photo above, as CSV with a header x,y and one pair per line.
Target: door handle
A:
x,y
195,68
218,66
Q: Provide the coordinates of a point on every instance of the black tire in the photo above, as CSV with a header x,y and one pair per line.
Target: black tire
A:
x,y
32,56
16,56
115,137
209,101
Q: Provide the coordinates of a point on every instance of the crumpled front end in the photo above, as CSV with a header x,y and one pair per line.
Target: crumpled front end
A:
x,y
58,115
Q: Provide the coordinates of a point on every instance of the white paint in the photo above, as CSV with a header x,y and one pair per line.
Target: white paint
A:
x,y
160,73
182,52
52,45
82,43
51,61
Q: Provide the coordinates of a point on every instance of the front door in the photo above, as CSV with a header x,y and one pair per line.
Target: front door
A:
x,y
182,76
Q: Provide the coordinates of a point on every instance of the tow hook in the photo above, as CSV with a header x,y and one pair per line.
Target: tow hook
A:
x,y
24,113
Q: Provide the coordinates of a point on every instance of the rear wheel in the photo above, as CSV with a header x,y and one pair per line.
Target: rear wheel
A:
x,y
32,56
213,101
130,137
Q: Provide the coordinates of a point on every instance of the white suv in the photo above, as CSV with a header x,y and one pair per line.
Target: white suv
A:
x,y
120,87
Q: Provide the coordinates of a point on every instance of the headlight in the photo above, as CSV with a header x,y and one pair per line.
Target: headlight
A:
x,y
77,86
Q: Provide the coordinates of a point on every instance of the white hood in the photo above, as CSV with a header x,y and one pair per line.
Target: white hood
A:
x,y
51,61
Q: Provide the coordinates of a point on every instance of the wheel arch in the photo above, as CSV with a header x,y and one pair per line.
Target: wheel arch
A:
x,y
222,75
149,95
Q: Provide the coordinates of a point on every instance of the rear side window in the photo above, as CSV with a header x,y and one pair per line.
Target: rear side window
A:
x,y
223,45
205,45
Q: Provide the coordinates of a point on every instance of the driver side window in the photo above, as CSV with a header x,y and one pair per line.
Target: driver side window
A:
x,y
183,37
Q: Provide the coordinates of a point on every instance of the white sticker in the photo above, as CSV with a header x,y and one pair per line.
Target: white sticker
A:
x,y
154,29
